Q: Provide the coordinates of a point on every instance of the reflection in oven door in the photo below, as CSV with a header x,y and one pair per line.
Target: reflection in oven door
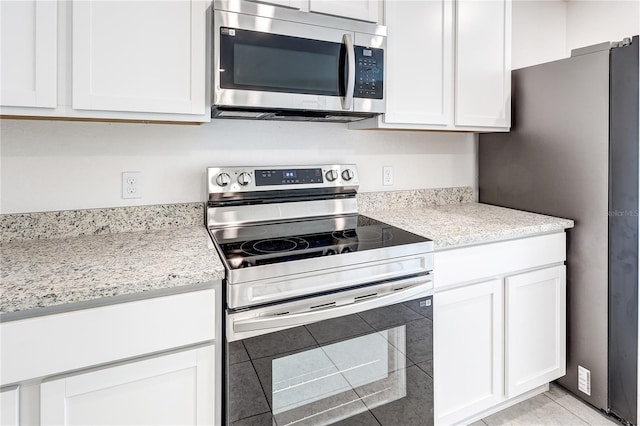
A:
x,y
368,368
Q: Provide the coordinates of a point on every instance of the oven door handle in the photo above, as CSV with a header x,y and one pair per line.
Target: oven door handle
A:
x,y
417,287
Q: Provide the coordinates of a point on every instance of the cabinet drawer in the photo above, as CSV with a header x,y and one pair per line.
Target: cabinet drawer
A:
x,y
473,263
53,344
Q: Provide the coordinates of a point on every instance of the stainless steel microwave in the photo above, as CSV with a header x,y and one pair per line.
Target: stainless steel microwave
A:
x,y
270,68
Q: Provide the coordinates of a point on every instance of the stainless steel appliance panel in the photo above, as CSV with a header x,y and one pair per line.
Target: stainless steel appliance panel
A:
x,y
623,233
555,161
573,152
255,8
263,99
332,176
280,284
301,98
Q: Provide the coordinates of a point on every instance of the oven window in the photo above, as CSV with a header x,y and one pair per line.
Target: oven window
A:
x,y
254,60
372,368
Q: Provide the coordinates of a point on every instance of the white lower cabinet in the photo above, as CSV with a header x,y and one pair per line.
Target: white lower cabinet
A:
x,y
499,332
143,362
468,338
10,407
170,389
535,322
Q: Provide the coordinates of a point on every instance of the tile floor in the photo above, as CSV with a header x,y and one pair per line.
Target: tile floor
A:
x,y
556,407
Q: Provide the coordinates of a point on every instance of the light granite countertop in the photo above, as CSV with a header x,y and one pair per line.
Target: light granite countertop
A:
x,y
469,223
58,261
55,272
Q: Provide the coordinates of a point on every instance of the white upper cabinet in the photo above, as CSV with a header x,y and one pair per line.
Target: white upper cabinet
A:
x,y
28,53
483,63
448,66
139,56
364,10
294,4
116,59
426,51
361,10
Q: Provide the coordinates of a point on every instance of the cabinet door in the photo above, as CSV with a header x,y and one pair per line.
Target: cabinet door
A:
x,y
364,10
468,350
28,53
172,389
483,63
419,71
535,328
10,406
139,56
294,4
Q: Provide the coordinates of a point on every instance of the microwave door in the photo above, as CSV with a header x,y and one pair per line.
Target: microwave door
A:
x,y
350,64
282,65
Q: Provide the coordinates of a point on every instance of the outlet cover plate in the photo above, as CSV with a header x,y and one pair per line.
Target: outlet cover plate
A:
x,y
131,185
387,175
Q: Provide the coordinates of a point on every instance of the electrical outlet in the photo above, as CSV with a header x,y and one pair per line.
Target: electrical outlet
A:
x,y
131,184
387,175
584,380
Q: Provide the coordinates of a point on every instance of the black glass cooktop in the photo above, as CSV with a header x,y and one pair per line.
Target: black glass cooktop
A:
x,y
256,245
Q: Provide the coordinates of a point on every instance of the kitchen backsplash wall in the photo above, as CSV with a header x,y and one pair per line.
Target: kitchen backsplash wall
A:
x,y
74,223
65,165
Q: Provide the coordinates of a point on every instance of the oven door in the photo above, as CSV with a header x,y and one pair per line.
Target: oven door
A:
x,y
270,63
362,356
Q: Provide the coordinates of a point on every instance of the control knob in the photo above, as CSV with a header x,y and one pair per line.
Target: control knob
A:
x,y
223,179
347,174
331,175
244,179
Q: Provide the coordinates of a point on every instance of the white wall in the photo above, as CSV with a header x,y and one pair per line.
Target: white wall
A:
x,y
591,22
57,165
539,29
547,30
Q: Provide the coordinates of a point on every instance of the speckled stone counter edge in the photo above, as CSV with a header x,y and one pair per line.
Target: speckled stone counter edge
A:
x,y
74,223
377,201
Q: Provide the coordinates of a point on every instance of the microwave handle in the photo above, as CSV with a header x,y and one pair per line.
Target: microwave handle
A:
x,y
347,100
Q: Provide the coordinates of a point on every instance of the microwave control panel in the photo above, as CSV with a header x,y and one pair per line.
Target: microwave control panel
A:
x,y
369,67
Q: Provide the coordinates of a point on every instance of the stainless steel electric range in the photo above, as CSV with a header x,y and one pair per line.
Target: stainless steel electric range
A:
x,y
328,312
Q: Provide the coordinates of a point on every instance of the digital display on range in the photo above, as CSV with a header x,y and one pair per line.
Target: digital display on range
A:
x,y
288,177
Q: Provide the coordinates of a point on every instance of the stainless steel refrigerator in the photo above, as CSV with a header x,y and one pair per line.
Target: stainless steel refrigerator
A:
x,y
573,152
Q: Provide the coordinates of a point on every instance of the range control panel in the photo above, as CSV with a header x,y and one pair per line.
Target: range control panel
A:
x,y
266,177
369,72
229,180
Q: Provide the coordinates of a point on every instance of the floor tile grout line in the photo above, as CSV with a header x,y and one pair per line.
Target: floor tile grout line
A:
x,y
585,405
567,409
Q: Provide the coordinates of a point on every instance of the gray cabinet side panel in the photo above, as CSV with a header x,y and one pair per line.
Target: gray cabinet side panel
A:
x,y
623,234
554,161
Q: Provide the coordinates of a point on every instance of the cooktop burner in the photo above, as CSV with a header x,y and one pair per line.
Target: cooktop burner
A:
x,y
290,241
275,245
